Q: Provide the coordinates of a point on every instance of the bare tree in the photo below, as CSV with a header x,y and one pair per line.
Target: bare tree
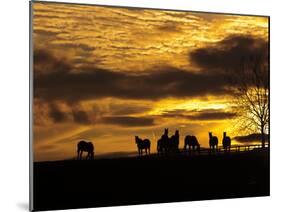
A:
x,y
251,95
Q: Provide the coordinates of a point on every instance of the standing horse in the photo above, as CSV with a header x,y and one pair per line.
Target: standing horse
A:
x,y
163,142
213,142
173,145
192,142
143,144
226,142
84,146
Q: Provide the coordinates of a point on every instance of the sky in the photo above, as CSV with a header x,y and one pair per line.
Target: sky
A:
x,y
106,74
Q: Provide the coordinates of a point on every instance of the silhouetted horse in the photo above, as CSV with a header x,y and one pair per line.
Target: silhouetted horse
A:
x,y
173,144
143,144
213,142
163,142
84,146
226,142
192,142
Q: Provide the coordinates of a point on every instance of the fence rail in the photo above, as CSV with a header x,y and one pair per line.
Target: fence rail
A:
x,y
233,148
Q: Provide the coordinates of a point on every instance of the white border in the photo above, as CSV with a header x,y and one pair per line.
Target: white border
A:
x,y
14,117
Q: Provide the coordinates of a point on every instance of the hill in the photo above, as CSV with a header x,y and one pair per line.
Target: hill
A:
x,y
151,179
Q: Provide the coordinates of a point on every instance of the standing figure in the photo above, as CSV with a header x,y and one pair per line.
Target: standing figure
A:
x,y
163,142
174,142
213,142
226,142
143,144
192,143
84,146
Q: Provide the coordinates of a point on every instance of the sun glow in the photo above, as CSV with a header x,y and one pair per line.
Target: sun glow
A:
x,y
107,74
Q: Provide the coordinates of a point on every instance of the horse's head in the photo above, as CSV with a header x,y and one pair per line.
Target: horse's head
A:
x,y
137,139
224,134
210,134
166,131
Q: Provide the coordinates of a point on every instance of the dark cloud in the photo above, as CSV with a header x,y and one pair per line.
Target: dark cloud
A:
x,y
76,46
229,53
200,115
123,109
251,138
55,78
128,121
170,26
43,32
56,114
211,116
61,83
77,114
80,116
46,63
38,16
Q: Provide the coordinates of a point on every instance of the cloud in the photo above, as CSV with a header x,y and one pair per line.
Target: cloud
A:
x,y
80,116
46,63
56,114
251,138
128,121
43,32
123,109
229,53
200,115
170,26
62,83
71,45
220,115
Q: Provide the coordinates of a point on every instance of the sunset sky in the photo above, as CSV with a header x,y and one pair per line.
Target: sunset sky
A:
x,y
107,74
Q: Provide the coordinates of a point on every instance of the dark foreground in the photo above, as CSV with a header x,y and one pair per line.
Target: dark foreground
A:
x,y
124,181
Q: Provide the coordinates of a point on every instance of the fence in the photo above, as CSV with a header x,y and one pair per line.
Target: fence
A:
x,y
233,149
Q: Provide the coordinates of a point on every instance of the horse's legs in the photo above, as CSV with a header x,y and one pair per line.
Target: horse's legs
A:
x,y
90,155
80,154
78,158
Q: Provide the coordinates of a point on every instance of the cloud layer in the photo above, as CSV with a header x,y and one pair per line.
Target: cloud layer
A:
x,y
228,54
116,72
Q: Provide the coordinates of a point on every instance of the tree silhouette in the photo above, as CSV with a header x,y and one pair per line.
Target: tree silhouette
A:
x,y
251,91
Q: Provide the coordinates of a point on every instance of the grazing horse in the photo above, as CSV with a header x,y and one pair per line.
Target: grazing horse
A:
x,y
213,142
192,142
226,142
84,146
163,142
143,144
173,145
